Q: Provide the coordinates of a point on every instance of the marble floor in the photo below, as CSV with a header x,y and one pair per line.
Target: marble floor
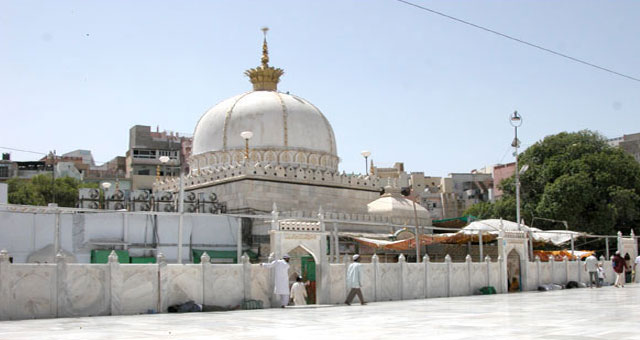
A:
x,y
606,313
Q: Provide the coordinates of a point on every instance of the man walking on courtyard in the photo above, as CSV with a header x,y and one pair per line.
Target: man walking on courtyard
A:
x,y
281,278
354,275
591,266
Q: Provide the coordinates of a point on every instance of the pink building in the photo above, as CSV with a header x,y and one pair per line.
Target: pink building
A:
x,y
501,172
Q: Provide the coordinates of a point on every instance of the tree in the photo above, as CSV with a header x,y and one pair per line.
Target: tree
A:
x,y
579,178
39,191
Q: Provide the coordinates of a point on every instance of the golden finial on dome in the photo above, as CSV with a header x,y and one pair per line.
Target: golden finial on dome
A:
x,y
265,49
264,77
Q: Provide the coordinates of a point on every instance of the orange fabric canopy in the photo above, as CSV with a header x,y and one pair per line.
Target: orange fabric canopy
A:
x,y
559,255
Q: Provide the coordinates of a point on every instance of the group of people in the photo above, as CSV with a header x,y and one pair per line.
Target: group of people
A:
x,y
298,291
621,267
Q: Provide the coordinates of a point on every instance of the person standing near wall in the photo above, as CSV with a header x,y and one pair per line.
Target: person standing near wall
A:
x,y
299,292
591,266
601,275
281,278
618,267
354,280
636,266
627,268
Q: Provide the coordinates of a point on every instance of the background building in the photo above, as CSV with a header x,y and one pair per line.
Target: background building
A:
x,y
629,143
142,162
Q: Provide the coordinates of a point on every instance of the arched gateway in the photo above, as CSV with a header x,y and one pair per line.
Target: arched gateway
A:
x,y
304,237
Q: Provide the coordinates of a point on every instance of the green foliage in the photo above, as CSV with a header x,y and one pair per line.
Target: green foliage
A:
x,y
482,210
39,191
579,178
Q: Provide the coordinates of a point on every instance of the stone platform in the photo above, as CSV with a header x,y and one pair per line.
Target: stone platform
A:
x,y
606,313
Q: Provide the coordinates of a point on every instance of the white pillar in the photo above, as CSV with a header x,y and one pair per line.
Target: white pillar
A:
x,y
56,233
239,241
447,261
425,261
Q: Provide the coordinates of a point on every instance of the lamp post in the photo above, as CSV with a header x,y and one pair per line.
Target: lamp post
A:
x,y
52,154
105,187
366,155
516,121
163,160
246,135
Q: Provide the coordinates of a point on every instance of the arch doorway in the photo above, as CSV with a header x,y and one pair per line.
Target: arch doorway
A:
x,y
514,279
303,264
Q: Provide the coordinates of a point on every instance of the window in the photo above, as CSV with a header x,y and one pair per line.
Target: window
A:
x,y
144,172
145,154
168,153
4,171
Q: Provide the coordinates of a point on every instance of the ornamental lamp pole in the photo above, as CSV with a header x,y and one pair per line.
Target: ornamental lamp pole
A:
x,y
105,187
163,160
246,135
366,155
516,120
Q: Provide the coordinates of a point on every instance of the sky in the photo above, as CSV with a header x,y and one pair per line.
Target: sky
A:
x,y
405,84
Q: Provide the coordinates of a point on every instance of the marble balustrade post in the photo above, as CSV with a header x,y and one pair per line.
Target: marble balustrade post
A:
x,y
565,261
61,287
163,285
376,283
115,285
539,280
402,262
578,265
272,297
246,276
552,261
5,292
487,260
467,260
426,261
503,274
447,261
205,267
347,262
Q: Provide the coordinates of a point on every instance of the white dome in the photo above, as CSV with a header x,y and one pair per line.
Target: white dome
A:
x,y
280,123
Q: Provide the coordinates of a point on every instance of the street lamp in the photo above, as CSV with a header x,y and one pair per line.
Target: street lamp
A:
x,y
366,155
516,120
163,160
246,135
105,187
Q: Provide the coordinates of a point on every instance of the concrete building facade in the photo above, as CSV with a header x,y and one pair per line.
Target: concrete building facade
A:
x,y
142,162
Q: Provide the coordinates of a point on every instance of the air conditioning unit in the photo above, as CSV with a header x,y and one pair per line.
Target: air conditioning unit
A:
x,y
190,197
89,194
216,208
89,198
191,208
165,201
164,196
140,200
115,199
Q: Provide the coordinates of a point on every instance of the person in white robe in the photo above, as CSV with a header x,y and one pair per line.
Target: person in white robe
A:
x,y
281,278
354,275
299,292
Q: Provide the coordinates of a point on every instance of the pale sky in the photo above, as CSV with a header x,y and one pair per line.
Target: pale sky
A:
x,y
405,84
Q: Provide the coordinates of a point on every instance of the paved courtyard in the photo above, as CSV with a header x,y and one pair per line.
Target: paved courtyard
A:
x,y
607,313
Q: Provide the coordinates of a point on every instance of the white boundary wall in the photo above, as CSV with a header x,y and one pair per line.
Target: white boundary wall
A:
x,y
72,289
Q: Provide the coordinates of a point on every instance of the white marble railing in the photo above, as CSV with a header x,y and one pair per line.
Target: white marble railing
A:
x,y
289,173
68,289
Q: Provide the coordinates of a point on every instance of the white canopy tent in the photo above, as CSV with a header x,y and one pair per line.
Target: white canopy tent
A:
x,y
493,227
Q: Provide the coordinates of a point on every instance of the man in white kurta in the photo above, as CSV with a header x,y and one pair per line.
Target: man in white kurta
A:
x,y
354,275
281,278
